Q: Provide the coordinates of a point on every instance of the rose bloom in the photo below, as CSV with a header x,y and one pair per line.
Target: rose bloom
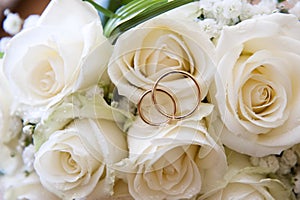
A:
x,y
63,53
245,182
174,161
162,44
76,162
257,85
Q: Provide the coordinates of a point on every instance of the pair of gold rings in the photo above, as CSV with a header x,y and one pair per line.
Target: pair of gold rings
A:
x,y
155,89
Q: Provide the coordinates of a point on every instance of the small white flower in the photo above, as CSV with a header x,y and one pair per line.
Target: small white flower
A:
x,y
28,157
28,129
210,26
247,11
284,169
254,161
30,21
232,8
218,9
289,158
12,23
270,162
207,4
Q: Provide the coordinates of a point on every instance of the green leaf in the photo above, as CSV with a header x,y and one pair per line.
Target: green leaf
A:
x,y
103,10
138,11
128,12
125,1
1,54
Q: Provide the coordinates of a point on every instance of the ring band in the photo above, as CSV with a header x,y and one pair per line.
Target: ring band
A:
x,y
141,113
154,89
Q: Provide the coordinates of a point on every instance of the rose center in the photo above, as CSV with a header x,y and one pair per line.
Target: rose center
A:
x,y
261,95
69,164
44,80
47,81
169,170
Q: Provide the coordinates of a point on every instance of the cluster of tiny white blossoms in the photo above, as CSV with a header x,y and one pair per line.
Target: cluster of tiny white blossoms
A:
x,y
216,14
13,24
285,167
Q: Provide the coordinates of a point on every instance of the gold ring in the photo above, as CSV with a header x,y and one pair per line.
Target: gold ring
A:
x,y
154,89
141,113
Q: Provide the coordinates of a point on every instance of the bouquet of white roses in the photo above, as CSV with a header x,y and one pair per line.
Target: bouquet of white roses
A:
x,y
152,99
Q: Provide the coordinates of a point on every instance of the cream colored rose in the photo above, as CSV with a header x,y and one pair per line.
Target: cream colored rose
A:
x,y
257,85
63,53
76,162
245,182
142,54
172,162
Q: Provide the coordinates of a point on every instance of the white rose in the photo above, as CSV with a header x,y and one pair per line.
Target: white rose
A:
x,y
163,44
63,53
257,85
76,160
244,182
172,162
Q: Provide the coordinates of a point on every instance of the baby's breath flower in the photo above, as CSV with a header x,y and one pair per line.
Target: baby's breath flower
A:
x,y
254,161
12,23
271,162
247,11
30,21
28,157
232,8
218,10
210,26
207,4
289,158
284,169
28,129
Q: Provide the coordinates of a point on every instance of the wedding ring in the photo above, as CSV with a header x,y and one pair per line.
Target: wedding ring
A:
x,y
155,89
149,122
